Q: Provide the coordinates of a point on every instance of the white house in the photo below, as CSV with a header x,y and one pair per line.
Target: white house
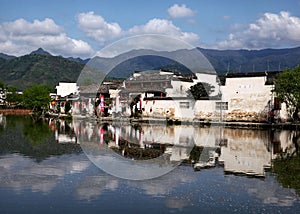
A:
x,y
245,97
164,94
2,96
65,88
160,94
64,91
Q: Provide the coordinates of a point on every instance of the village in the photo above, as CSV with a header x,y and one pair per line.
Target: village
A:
x,y
161,94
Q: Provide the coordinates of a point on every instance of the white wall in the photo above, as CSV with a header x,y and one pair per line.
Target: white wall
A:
x,y
246,94
206,109
210,79
248,98
179,89
64,89
170,108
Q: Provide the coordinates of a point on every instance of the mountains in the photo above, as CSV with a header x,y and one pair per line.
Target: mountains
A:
x,y
252,60
40,67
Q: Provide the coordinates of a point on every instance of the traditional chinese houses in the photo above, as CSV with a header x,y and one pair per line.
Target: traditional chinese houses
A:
x,y
159,94
64,92
165,94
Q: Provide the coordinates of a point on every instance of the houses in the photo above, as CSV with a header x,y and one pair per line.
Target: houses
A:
x,y
2,96
161,94
247,97
83,100
165,94
10,98
65,92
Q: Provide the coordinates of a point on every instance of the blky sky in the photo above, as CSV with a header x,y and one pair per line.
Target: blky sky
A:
x,y
80,28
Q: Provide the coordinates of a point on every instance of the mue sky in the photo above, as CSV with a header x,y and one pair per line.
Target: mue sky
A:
x,y
80,28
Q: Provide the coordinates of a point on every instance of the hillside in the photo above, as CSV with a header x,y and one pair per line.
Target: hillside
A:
x,y
38,68
147,62
222,61
5,56
123,65
246,61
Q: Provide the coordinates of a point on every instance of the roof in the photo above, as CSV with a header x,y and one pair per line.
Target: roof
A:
x,y
94,89
270,76
142,90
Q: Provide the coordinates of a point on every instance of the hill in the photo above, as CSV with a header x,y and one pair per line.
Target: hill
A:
x,y
246,61
38,68
222,61
5,56
123,65
40,51
146,62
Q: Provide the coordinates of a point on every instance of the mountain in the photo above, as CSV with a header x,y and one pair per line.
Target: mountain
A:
x,y
40,51
78,59
246,61
123,65
38,68
146,62
6,57
221,61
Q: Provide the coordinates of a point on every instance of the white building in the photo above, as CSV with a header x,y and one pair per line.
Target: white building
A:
x,y
160,94
65,88
2,96
245,97
64,92
164,94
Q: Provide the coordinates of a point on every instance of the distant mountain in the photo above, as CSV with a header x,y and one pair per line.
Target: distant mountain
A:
x,y
246,61
40,67
40,51
78,59
222,61
144,63
122,66
6,57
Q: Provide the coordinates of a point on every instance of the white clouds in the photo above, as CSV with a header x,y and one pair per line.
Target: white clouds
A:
x,y
165,27
22,27
271,30
102,31
97,28
179,11
21,37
